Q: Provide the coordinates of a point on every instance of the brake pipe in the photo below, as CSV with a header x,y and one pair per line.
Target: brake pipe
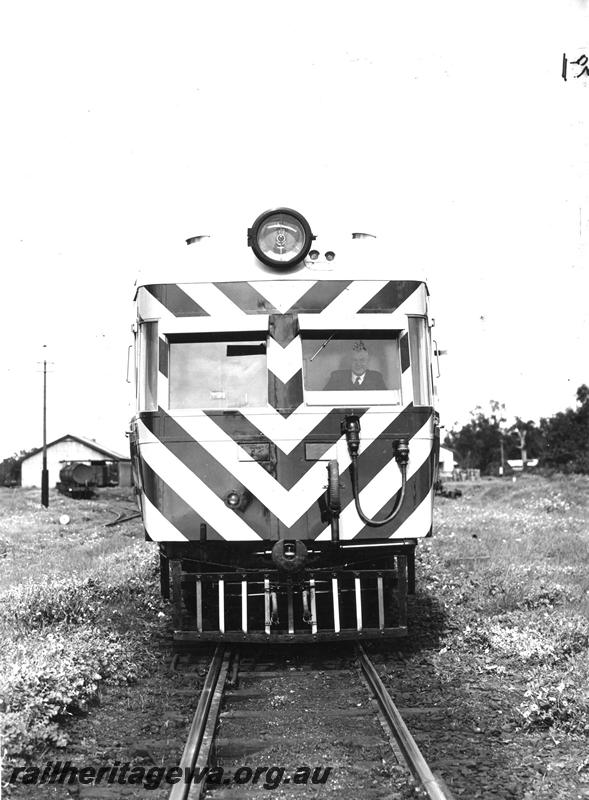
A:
x,y
351,429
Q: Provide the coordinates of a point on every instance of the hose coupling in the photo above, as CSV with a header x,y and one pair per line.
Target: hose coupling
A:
x,y
401,452
351,428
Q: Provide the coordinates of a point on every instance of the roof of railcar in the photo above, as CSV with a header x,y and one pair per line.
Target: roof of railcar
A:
x,y
222,258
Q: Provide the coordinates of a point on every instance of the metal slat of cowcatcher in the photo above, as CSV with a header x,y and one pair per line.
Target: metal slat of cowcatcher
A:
x,y
358,594
289,593
335,593
380,592
267,619
199,604
402,589
222,604
312,591
244,605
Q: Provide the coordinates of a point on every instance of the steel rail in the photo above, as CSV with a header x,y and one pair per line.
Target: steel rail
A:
x,y
407,744
200,736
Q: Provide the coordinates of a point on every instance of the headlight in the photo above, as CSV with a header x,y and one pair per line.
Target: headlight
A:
x,y
280,238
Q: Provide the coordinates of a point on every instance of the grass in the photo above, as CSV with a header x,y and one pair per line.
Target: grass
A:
x,y
527,540
511,562
78,606
32,538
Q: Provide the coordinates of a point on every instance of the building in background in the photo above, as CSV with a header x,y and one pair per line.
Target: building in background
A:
x,y
116,467
517,465
447,462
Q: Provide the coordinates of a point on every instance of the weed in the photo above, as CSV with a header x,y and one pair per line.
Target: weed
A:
x,y
72,615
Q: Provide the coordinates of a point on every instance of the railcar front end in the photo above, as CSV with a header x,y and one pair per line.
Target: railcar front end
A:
x,y
284,446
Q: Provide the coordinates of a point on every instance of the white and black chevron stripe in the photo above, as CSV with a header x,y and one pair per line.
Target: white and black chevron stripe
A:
x,y
191,461
200,462
204,307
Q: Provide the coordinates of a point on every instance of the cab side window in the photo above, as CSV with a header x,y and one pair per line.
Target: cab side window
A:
x,y
148,366
419,356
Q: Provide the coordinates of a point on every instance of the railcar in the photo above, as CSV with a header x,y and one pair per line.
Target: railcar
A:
x,y
285,443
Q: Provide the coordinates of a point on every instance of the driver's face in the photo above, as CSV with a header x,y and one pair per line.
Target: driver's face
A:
x,y
359,362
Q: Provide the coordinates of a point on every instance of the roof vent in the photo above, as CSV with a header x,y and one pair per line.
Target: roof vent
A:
x,y
194,239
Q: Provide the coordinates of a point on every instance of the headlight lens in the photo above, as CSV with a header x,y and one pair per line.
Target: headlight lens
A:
x,y
280,238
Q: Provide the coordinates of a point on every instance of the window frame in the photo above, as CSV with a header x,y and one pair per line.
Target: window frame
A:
x,y
220,337
346,398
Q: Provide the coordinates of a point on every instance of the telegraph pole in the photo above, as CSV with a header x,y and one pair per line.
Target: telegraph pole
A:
x,y
522,446
44,471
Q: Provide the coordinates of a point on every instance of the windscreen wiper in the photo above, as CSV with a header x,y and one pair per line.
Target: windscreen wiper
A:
x,y
325,343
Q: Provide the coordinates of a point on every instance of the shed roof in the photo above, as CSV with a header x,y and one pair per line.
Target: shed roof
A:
x,y
105,451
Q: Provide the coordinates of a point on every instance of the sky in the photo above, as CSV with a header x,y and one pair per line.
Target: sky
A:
x,y
445,128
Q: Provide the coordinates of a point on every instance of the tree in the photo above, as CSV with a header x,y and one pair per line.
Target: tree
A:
x,y
10,468
478,443
527,440
567,436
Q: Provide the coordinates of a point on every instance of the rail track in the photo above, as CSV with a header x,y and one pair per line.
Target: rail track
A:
x,y
253,717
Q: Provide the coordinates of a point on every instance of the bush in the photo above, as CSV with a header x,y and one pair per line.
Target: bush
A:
x,y
549,639
55,648
51,674
556,701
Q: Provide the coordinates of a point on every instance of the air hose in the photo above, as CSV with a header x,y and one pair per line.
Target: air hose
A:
x,y
351,428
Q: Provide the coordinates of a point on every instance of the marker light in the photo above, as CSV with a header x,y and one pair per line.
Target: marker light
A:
x,y
232,499
280,238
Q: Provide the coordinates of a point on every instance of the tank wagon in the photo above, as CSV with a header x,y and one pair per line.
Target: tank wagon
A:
x,y
77,479
285,443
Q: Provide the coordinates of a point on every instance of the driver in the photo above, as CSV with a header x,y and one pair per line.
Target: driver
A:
x,y
358,376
